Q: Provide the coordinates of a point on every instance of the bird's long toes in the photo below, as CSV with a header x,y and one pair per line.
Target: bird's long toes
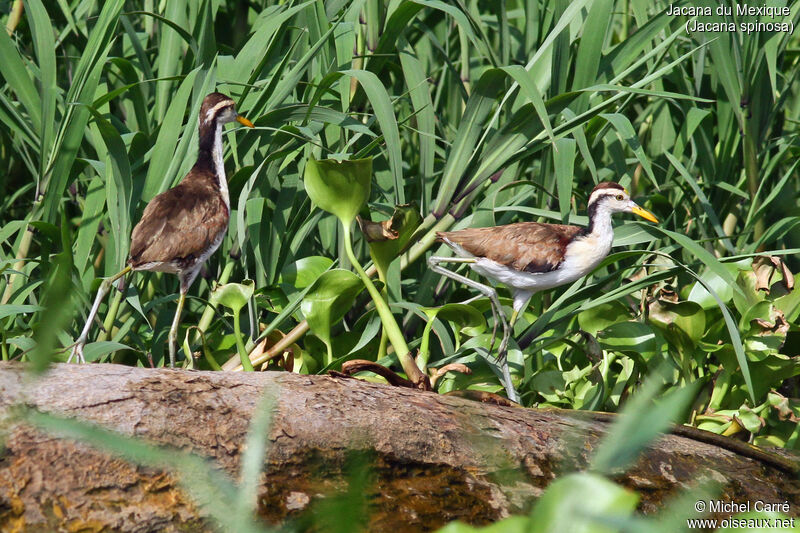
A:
x,y
502,351
77,354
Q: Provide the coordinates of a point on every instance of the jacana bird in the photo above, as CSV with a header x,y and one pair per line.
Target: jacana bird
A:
x,y
181,227
529,257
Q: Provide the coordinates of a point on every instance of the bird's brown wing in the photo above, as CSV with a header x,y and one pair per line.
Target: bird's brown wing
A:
x,y
181,223
526,246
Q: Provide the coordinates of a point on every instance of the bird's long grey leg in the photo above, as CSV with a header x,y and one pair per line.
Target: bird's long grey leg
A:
x,y
105,286
497,312
489,292
521,299
186,278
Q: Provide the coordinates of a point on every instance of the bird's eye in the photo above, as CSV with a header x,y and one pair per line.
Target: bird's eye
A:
x,y
620,197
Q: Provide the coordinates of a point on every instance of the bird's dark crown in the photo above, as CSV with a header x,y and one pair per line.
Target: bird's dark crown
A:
x,y
212,105
608,185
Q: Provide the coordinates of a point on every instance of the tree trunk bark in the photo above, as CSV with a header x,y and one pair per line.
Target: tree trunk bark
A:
x,y
434,458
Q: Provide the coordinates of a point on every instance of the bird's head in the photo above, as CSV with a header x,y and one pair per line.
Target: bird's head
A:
x,y
614,198
221,109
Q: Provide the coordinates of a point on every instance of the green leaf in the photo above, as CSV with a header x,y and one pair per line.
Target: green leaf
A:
x,y
564,162
404,222
626,134
641,420
689,317
234,296
468,320
382,106
95,350
600,317
164,150
18,79
581,503
512,524
328,299
339,187
8,310
700,295
305,271
629,337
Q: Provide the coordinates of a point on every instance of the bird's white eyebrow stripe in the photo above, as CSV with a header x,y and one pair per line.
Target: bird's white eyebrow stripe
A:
x,y
603,192
213,111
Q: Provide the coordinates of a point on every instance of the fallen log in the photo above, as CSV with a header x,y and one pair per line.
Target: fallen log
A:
x,y
435,458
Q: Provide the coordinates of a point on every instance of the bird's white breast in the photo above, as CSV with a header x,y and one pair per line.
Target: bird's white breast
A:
x,y
219,166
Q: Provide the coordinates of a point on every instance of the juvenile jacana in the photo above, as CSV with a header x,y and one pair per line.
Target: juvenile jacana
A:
x,y
528,257
181,227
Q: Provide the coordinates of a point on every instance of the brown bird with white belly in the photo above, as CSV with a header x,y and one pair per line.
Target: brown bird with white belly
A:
x,y
529,257
181,227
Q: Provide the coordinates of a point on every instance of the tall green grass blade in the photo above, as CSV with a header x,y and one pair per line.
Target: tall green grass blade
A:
x,y
169,51
19,80
158,179
44,45
563,162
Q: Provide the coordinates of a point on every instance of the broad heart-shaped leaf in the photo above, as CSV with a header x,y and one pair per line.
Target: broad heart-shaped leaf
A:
x,y
790,303
600,317
234,296
689,317
305,271
512,524
629,337
405,221
339,187
469,320
582,503
700,295
328,299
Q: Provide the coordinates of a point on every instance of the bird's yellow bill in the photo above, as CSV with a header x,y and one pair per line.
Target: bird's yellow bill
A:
x,y
240,119
644,213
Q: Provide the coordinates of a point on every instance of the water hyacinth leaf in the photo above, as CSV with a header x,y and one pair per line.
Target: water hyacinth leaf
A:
x,y
404,222
234,296
572,502
789,304
339,187
600,317
305,271
701,296
642,419
689,317
469,320
629,337
512,524
328,299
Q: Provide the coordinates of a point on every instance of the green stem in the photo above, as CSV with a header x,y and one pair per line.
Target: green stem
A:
x,y
22,253
208,313
206,353
424,346
246,364
413,253
753,177
111,317
384,336
389,323
383,344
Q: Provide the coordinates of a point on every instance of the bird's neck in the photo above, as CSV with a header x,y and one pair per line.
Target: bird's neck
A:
x,y
210,155
599,222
